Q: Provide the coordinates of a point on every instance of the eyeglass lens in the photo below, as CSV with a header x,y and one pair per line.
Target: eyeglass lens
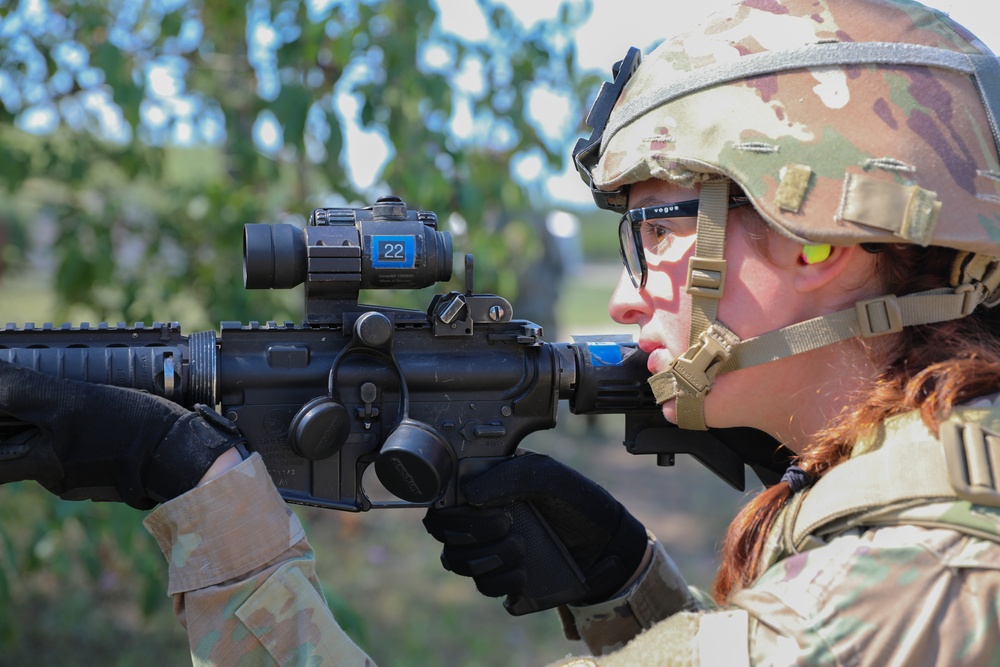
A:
x,y
632,254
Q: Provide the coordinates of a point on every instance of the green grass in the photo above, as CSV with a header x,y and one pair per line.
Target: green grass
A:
x,y
25,299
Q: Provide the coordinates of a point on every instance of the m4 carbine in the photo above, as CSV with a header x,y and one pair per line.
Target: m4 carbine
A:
x,y
425,399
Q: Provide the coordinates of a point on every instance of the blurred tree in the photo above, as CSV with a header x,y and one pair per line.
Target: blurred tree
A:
x,y
146,133
137,137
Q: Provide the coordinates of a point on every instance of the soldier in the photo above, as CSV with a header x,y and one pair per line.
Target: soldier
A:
x,y
810,199
810,204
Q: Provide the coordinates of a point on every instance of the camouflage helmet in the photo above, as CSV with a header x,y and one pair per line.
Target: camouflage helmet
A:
x,y
859,121
844,122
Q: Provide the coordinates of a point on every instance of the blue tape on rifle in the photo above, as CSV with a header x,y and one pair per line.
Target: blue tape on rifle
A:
x,y
605,354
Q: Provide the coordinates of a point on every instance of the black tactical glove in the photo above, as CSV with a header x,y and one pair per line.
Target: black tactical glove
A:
x,y
101,442
496,541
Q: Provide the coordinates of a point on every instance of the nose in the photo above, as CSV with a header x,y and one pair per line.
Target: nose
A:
x,y
627,304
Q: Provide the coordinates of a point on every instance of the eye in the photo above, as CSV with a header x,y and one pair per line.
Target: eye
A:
x,y
654,234
658,235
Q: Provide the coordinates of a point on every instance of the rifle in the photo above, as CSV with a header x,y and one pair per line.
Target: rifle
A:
x,y
426,399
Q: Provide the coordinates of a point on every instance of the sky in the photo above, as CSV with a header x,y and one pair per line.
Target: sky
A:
x,y
615,25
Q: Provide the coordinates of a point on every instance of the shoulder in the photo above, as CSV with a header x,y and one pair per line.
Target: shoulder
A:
x,y
878,556
865,589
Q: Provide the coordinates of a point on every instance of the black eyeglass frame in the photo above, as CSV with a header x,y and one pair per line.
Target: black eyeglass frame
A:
x,y
630,230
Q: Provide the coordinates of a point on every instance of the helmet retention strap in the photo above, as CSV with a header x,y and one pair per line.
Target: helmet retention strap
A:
x,y
690,376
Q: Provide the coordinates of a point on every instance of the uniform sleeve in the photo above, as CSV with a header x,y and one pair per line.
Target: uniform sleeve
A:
x,y
242,576
659,593
897,595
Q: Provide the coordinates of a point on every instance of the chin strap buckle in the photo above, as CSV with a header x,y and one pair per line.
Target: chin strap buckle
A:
x,y
880,316
695,370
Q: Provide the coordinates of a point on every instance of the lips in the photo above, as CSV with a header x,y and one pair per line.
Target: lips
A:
x,y
654,350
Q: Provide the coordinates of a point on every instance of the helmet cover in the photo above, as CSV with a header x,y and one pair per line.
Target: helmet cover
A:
x,y
855,121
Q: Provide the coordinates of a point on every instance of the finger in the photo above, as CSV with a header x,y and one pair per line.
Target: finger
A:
x,y
505,583
26,394
479,561
467,525
27,454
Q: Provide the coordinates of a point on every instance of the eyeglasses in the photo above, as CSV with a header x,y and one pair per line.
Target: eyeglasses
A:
x,y
630,232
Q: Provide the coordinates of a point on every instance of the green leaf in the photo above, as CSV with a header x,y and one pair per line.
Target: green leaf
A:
x,y
171,23
109,58
334,143
291,108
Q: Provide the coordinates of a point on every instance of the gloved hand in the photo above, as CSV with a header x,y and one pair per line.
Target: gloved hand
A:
x,y
489,540
102,442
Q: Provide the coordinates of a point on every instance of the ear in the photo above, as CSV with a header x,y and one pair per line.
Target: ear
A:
x,y
844,263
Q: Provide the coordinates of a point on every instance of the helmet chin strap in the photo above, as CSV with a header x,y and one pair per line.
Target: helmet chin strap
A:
x,y
715,350
690,376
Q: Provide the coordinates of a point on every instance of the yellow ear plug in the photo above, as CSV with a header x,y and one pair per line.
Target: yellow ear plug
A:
x,y
814,254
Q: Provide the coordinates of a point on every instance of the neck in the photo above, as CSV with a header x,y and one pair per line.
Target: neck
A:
x,y
793,398
831,381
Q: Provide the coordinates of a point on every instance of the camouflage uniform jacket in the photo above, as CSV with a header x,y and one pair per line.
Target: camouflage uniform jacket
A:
x,y
879,564
242,576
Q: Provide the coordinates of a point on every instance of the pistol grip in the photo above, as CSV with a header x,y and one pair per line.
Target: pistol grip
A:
x,y
554,577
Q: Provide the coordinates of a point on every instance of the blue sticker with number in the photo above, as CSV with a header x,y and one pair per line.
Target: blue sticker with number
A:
x,y
394,252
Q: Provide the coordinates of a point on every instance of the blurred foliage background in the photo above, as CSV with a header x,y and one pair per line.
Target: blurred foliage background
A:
x,y
137,137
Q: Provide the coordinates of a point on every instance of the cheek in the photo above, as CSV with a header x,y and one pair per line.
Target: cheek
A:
x,y
665,282
671,303
756,293
667,272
